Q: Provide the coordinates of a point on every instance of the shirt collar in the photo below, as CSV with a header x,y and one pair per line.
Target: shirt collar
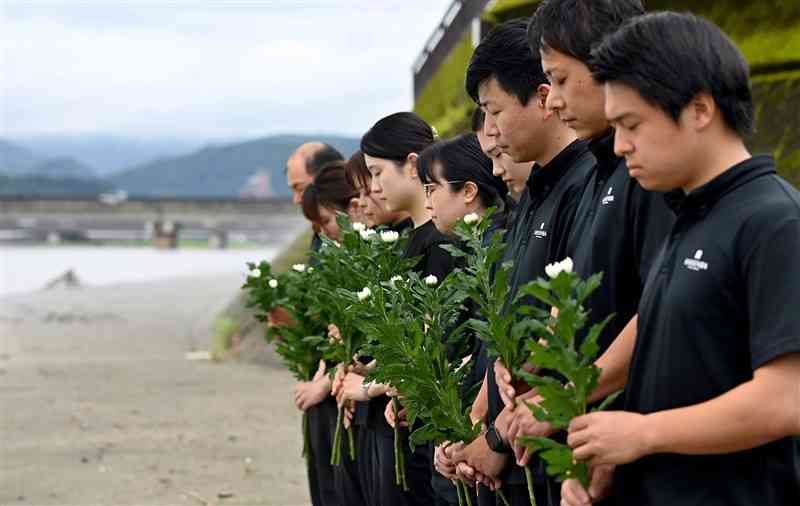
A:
x,y
543,178
603,150
702,199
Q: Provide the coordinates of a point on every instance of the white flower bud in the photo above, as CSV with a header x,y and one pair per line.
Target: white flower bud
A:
x,y
359,227
366,234
256,273
431,280
364,294
471,218
299,267
556,268
389,236
310,270
273,283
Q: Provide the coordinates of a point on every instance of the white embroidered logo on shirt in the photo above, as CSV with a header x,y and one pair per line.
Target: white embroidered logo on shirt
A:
x,y
696,263
541,233
609,198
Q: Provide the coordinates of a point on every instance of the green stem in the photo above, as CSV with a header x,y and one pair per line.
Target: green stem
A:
x,y
502,496
337,441
457,483
467,494
352,443
399,450
397,477
529,479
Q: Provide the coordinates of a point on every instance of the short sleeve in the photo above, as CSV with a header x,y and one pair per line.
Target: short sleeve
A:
x,y
772,279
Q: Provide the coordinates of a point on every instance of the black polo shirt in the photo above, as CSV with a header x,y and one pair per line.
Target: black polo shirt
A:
x,y
720,302
539,236
618,230
424,242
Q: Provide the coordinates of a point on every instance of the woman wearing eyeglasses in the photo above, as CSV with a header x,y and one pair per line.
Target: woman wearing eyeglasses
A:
x,y
458,180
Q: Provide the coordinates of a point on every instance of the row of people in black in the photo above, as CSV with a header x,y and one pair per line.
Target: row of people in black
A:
x,y
616,138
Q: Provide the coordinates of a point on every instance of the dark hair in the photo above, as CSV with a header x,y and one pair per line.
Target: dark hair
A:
x,y
462,160
574,27
506,55
478,119
396,136
357,173
321,157
668,58
330,189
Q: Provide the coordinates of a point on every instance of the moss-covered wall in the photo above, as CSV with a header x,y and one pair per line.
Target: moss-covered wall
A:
x,y
443,102
777,99
766,31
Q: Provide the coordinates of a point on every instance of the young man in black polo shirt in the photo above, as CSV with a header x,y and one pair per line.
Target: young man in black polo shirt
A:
x,y
713,395
504,77
618,225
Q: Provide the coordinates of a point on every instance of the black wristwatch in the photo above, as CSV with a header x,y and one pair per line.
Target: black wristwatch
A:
x,y
495,442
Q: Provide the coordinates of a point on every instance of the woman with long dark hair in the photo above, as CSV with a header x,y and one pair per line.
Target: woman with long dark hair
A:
x,y
391,148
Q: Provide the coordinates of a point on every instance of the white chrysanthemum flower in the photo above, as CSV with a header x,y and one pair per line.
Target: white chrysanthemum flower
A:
x,y
364,294
273,283
389,236
299,267
471,218
431,280
310,270
358,226
556,268
256,273
366,234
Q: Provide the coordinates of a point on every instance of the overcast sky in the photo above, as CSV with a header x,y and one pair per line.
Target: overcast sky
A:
x,y
208,69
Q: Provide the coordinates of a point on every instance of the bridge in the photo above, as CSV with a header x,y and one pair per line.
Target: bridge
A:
x,y
162,221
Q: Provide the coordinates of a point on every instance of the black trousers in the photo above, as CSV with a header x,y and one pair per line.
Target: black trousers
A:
x,y
418,472
346,476
486,497
546,493
321,418
366,462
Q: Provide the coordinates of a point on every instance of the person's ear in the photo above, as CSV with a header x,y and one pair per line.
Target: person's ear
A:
x,y
541,100
470,192
411,166
701,111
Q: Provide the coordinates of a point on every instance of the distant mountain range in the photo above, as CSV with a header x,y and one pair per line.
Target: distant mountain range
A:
x,y
221,170
106,154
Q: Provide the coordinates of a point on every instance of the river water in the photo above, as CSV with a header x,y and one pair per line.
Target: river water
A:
x,y
30,268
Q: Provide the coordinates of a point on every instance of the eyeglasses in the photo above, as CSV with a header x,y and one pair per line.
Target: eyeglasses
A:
x,y
429,187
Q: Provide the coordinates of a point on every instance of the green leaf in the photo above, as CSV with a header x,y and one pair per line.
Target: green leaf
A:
x,y
608,401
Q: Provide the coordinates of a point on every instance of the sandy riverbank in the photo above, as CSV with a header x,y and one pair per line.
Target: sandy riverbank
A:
x,y
100,406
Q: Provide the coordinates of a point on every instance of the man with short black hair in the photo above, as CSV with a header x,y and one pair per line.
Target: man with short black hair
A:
x,y
618,226
505,78
712,405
